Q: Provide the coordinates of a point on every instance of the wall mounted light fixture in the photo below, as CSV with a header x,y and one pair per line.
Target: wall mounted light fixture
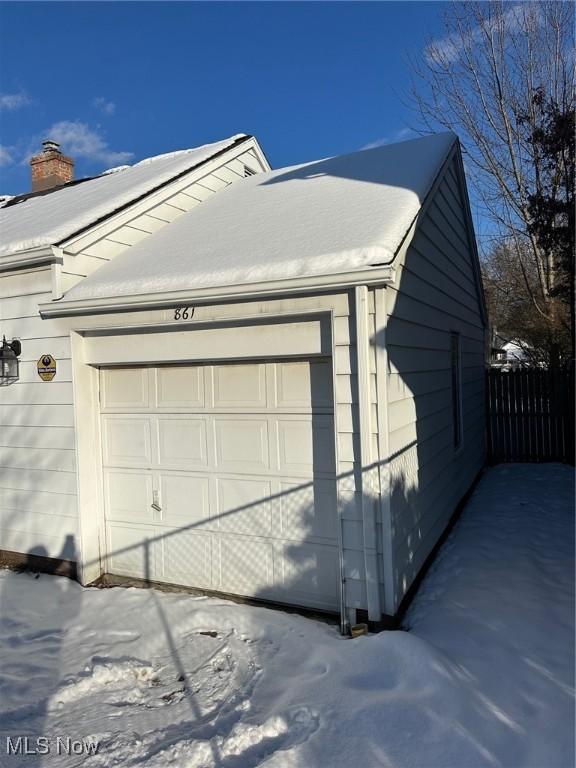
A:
x,y
9,363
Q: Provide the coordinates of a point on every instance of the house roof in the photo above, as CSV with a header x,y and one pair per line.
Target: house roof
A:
x,y
44,219
334,215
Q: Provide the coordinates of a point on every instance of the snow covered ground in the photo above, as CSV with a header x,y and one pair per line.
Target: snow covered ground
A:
x,y
483,677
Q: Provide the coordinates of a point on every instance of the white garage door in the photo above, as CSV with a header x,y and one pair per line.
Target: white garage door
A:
x,y
223,477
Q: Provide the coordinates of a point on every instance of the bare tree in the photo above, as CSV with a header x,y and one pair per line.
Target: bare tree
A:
x,y
510,307
487,80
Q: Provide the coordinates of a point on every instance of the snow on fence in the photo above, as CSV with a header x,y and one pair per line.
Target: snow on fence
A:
x,y
530,415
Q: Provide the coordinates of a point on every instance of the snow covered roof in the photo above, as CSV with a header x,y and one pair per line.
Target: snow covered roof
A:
x,y
329,216
48,219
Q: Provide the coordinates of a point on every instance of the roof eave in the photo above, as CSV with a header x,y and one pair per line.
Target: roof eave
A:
x,y
31,257
381,275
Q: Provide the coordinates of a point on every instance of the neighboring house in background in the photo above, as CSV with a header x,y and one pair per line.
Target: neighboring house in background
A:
x,y
50,240
509,354
280,395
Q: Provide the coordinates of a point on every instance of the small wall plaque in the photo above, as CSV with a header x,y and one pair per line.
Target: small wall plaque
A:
x,y
46,367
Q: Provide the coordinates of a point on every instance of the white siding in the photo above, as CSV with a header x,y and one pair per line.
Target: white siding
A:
x,y
38,492
37,455
87,253
435,293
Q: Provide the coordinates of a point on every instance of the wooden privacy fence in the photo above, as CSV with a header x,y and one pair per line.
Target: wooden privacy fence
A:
x,y
530,415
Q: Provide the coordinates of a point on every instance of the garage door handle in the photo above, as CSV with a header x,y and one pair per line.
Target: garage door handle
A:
x,y
155,501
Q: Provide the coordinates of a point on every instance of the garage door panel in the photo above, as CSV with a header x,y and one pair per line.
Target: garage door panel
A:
x,y
241,444
184,499
243,565
239,386
304,385
182,442
128,496
305,445
186,558
239,459
127,441
125,388
132,552
307,510
244,506
180,387
307,572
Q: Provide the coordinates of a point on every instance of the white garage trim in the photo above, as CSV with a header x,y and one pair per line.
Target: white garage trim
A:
x,y
383,447
378,275
368,469
304,337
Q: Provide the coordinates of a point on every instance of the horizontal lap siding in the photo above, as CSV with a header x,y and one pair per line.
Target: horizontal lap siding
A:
x,y
434,294
146,220
38,496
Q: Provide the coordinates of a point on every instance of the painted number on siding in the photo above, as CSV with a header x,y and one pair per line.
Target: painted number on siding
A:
x,y
183,313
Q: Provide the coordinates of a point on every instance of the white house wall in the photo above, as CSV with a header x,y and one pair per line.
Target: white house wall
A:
x,y
38,493
435,293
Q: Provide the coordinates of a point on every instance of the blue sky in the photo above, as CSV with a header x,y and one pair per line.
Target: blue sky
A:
x,y
117,82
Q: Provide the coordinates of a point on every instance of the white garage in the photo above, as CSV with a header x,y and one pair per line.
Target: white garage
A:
x,y
223,477
282,394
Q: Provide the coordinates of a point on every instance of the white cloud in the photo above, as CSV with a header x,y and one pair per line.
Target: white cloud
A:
x,y
447,49
5,155
401,135
81,141
104,105
9,102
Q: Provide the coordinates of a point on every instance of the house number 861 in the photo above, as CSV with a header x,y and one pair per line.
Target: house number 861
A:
x,y
183,313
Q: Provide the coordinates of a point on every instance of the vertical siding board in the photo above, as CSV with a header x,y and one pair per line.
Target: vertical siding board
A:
x,y
552,411
531,415
530,410
496,388
557,405
570,417
550,416
495,417
546,425
514,445
522,417
539,413
491,415
526,411
506,419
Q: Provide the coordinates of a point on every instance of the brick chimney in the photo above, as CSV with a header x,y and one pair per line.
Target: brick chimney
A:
x,y
51,168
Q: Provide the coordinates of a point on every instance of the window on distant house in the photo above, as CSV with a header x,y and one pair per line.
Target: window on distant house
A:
x,y
456,384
